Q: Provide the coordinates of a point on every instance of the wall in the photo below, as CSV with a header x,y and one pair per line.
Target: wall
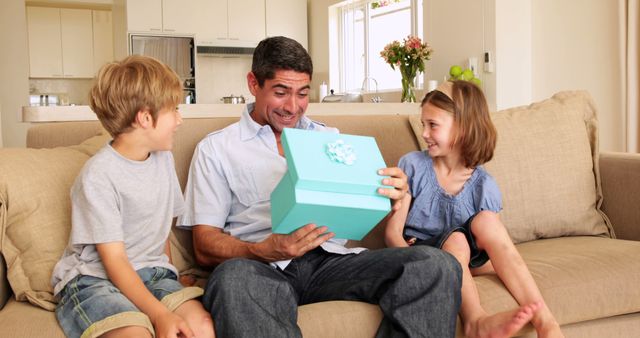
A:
x,y
457,36
512,35
318,30
14,67
576,46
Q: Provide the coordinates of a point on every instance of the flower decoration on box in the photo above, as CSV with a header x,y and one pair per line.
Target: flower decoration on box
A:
x,y
409,56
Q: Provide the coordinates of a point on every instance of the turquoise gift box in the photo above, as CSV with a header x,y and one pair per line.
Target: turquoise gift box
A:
x,y
331,181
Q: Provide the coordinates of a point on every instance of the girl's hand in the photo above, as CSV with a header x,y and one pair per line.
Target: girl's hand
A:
x,y
398,183
411,241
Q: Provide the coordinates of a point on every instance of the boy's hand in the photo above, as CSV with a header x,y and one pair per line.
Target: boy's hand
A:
x,y
170,325
278,247
398,182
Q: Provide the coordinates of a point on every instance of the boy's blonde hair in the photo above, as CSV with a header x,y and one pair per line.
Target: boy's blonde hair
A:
x,y
475,133
123,88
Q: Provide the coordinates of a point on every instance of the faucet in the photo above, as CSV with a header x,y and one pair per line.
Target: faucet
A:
x,y
376,98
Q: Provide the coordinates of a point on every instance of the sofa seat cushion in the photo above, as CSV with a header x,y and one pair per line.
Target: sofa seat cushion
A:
x,y
581,278
339,319
21,319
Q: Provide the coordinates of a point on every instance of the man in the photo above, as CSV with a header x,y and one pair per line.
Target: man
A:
x,y
263,277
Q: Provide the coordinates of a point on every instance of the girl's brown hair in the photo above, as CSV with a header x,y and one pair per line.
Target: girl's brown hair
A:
x,y
475,133
125,87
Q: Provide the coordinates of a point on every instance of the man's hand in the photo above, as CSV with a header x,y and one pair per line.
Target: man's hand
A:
x,y
279,247
398,182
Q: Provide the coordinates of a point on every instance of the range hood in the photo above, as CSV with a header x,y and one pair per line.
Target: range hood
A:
x,y
219,50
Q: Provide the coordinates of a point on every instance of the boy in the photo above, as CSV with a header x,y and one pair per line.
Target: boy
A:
x,y
115,278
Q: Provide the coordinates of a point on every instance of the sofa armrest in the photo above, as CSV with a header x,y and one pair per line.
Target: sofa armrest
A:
x,y
620,177
5,290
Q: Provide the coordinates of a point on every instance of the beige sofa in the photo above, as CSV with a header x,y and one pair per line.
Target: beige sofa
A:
x,y
557,189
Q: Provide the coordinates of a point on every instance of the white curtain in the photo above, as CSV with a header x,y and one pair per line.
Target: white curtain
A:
x,y
631,75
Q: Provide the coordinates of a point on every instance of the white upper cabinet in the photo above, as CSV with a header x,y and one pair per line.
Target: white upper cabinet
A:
x,y
185,16
102,39
287,18
144,15
45,48
60,42
76,31
246,20
231,23
165,16
228,23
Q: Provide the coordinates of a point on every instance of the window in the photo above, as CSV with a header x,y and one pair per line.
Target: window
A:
x,y
364,28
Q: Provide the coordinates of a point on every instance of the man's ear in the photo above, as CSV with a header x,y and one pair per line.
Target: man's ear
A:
x,y
252,83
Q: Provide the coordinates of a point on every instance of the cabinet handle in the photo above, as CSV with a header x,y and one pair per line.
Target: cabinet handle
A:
x,y
169,30
236,39
155,29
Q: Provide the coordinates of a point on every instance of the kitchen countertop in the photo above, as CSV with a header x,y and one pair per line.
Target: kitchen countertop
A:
x,y
189,111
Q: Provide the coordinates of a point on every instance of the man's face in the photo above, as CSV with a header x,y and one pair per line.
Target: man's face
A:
x,y
281,101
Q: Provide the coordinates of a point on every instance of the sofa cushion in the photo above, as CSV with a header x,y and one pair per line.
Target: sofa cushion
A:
x,y
546,164
581,278
35,213
20,319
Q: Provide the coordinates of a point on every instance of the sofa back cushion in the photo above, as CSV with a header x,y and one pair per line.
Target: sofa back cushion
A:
x,y
35,213
546,164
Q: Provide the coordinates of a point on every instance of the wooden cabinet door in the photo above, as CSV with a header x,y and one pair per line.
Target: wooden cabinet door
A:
x,y
144,15
246,21
102,39
45,48
76,33
287,18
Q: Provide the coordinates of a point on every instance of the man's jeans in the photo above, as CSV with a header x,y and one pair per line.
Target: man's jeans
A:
x,y
417,288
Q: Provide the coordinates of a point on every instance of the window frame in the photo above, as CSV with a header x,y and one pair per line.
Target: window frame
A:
x,y
338,61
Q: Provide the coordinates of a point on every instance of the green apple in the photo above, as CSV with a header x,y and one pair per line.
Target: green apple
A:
x,y
455,71
467,75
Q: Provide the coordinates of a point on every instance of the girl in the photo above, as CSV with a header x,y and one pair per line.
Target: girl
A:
x,y
454,205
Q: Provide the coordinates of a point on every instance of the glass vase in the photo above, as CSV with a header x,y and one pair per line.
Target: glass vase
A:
x,y
408,89
408,72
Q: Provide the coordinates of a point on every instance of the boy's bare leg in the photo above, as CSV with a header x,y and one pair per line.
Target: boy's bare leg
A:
x,y
491,236
198,319
477,323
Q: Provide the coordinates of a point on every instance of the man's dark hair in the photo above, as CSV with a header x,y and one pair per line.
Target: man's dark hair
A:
x,y
279,53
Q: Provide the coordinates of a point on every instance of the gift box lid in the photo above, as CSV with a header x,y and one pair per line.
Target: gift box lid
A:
x,y
331,162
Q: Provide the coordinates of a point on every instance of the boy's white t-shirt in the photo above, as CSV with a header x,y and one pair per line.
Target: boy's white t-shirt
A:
x,y
115,199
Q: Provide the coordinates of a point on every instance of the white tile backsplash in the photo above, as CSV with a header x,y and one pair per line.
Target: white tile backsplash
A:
x,y
77,89
218,76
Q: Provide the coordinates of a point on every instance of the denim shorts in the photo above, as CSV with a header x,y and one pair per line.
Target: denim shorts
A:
x,y
477,257
89,306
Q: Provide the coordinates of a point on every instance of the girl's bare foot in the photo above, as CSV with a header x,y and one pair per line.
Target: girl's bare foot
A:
x,y
503,324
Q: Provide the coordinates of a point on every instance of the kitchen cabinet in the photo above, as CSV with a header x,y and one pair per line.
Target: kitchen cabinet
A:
x,y
287,18
232,23
102,39
60,42
165,16
144,15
